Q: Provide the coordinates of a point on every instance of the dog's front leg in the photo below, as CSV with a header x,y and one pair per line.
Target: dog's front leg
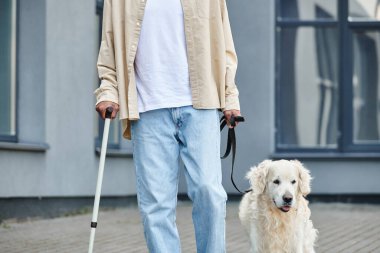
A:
x,y
254,239
310,235
299,247
300,240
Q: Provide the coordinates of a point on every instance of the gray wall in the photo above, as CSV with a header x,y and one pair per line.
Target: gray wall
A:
x,y
252,23
57,75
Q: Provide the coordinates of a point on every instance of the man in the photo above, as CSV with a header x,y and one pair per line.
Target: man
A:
x,y
169,65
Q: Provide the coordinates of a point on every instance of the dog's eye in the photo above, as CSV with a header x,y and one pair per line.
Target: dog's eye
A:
x,y
294,181
276,181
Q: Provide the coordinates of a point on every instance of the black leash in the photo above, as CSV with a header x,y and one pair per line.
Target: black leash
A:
x,y
231,143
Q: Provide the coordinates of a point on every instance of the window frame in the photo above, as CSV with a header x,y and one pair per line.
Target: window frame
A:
x,y
346,29
14,72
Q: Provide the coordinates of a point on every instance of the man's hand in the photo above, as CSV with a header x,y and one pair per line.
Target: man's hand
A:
x,y
228,114
102,106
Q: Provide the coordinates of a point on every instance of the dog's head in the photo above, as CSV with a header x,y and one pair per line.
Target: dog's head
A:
x,y
283,181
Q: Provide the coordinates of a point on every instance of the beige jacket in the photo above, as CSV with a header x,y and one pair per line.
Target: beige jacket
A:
x,y
210,49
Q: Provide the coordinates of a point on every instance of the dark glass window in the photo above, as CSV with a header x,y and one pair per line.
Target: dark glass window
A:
x,y
364,10
328,77
8,70
305,9
366,87
308,100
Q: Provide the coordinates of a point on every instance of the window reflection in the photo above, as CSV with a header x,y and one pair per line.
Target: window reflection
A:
x,y
308,87
306,9
364,9
366,87
7,67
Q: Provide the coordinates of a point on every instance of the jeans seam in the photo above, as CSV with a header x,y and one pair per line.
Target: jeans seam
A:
x,y
138,178
220,178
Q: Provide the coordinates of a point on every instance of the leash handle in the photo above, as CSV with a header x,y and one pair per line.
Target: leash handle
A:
x,y
235,119
231,143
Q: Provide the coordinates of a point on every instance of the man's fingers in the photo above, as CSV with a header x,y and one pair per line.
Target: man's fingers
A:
x,y
115,108
104,113
228,118
228,114
100,111
114,113
101,108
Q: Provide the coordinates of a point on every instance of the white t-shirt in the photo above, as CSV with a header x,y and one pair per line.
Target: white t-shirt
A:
x,y
161,68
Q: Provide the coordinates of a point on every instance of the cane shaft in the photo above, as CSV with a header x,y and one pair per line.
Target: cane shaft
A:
x,y
99,183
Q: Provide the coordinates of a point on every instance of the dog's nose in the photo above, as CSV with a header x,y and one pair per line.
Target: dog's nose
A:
x,y
287,198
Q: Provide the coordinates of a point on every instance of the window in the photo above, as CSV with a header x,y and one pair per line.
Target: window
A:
x,y
8,70
328,75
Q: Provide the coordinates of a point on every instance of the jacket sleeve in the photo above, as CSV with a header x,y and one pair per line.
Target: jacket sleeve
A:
x,y
108,90
232,93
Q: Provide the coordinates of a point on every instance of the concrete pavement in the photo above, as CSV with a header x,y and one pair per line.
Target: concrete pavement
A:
x,y
343,228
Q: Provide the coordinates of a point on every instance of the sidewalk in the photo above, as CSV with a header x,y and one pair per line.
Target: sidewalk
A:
x,y
342,228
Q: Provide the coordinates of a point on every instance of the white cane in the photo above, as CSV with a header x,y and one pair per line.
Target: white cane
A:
x,y
100,178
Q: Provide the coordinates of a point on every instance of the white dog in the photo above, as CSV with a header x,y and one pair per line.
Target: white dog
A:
x,y
275,213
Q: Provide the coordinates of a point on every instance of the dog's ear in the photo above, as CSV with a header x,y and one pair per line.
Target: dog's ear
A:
x,y
257,176
304,178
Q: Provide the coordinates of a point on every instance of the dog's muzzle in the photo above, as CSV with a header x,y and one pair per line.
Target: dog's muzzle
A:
x,y
287,204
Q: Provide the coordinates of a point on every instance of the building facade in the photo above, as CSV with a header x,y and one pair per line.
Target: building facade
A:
x,y
308,77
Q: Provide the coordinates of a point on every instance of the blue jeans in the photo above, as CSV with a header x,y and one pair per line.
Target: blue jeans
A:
x,y
160,137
